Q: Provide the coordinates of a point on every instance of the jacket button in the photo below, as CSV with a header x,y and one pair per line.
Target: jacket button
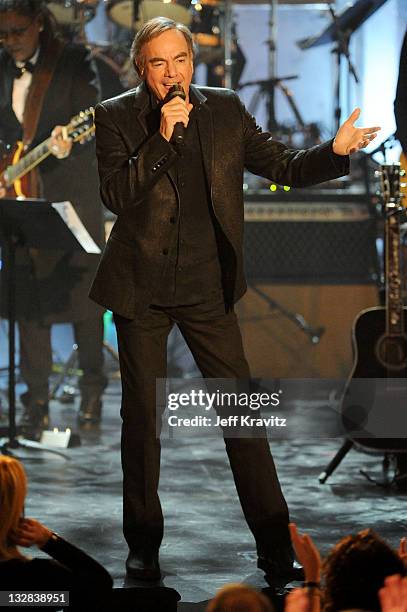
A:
x,y
154,168
172,219
165,251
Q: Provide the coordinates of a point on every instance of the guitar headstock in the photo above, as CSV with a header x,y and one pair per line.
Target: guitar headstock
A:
x,y
81,127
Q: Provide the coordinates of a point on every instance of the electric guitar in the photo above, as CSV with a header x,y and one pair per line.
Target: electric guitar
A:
x,y
15,168
374,404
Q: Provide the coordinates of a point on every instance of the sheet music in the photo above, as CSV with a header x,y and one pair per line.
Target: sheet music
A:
x,y
70,217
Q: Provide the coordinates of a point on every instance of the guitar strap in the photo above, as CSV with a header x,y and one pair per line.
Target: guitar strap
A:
x,y
42,76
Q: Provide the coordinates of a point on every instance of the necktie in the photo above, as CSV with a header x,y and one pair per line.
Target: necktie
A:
x,y
18,71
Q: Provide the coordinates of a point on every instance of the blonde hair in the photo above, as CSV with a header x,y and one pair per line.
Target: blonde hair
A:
x,y
13,489
151,29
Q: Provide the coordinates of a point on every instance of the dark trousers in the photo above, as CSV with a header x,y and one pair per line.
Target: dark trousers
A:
x,y
36,356
215,341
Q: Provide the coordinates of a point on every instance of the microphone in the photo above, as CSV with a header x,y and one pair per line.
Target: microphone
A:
x,y
179,128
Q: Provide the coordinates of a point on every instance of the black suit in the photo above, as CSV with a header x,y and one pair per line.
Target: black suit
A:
x,y
52,286
138,183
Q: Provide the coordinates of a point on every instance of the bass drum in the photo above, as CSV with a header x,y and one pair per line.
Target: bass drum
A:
x,y
73,12
121,12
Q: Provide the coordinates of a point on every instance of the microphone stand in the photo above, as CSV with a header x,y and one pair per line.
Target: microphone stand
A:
x,y
314,333
135,12
342,48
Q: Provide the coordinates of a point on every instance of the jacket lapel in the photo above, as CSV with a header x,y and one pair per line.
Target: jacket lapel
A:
x,y
142,103
205,130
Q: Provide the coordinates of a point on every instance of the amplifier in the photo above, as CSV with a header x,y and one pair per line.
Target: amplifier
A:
x,y
324,241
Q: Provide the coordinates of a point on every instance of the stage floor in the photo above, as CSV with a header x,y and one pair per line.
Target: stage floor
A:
x,y
206,543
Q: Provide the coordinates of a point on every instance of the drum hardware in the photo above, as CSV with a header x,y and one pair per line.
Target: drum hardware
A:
x,y
73,12
205,23
266,89
228,34
132,14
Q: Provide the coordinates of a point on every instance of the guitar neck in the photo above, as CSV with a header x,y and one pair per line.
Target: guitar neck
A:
x,y
394,297
27,163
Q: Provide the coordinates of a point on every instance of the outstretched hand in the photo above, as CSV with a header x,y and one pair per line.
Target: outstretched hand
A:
x,y
307,554
350,139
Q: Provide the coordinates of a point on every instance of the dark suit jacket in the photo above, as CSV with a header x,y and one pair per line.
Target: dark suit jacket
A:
x,y
138,185
58,289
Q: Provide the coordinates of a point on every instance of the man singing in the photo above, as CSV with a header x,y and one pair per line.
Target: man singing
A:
x,y
175,257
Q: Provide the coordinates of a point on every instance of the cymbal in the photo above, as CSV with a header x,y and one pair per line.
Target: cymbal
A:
x,y
349,20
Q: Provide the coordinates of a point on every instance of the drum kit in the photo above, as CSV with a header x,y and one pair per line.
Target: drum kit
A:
x,y
205,18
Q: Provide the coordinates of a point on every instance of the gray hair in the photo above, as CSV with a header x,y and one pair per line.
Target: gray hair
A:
x,y
150,30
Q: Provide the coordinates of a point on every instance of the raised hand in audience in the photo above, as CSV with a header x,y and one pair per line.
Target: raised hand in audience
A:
x,y
307,554
31,533
393,596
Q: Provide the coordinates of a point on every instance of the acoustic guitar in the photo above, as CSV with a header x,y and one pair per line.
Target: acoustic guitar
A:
x,y
15,167
374,404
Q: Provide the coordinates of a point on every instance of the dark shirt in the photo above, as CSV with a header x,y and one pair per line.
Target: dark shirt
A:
x,y
192,273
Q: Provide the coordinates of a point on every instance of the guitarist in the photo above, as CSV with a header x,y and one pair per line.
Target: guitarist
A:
x,y
41,76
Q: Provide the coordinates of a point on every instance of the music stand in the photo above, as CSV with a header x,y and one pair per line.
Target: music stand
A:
x,y
34,223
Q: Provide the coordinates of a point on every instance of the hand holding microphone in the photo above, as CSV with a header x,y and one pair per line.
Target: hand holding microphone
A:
x,y
174,115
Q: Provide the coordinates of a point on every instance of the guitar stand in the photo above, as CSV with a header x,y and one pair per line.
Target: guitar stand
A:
x,y
387,463
333,464
386,481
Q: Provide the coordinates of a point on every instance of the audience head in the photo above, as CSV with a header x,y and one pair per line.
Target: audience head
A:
x,y
13,489
355,570
239,598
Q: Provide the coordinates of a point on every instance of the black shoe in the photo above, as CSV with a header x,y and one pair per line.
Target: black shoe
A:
x,y
143,565
90,411
34,420
280,571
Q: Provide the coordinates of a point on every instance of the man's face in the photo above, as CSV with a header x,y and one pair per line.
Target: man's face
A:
x,y
19,35
167,60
